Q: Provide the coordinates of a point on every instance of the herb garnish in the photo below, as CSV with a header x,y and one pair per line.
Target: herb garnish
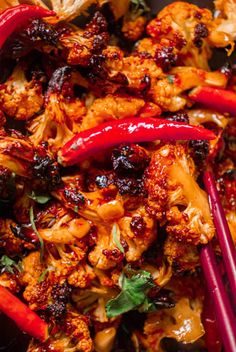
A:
x,y
31,214
39,198
138,8
8,265
133,293
115,238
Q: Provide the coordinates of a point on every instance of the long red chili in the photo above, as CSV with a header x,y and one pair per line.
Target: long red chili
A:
x,y
25,318
131,130
17,16
219,99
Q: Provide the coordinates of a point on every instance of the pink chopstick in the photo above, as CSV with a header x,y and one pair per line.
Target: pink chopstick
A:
x,y
223,233
224,312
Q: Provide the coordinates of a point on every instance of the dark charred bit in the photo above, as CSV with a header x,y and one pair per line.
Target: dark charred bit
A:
x,y
227,70
47,170
199,151
165,58
60,295
73,196
198,15
40,30
128,159
7,185
102,181
161,298
97,25
56,310
138,225
113,254
200,32
131,186
180,116
57,80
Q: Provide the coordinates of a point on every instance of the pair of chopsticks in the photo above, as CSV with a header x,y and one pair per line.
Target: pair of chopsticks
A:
x,y
224,311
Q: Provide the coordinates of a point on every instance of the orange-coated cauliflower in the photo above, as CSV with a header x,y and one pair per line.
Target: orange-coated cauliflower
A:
x,y
175,198
61,118
20,98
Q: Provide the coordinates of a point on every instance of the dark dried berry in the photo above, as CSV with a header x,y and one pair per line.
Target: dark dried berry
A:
x,y
161,298
165,58
200,150
40,30
138,225
47,170
180,116
101,181
129,159
57,310
61,292
200,31
131,186
74,196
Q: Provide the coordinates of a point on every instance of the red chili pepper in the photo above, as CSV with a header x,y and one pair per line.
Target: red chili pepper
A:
x,y
131,130
14,17
25,318
212,340
219,99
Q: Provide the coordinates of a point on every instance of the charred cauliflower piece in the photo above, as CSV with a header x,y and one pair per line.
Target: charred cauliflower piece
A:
x,y
20,98
16,153
175,198
81,45
60,119
182,322
73,336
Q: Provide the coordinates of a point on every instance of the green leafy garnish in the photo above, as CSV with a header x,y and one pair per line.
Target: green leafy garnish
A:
x,y
39,198
115,239
170,78
138,8
133,293
31,214
7,264
43,275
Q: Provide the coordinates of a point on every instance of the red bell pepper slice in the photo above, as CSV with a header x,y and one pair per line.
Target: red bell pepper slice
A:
x,y
132,130
219,99
17,16
25,318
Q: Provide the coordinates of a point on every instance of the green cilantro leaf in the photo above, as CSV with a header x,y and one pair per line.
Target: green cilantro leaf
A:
x,y
31,214
138,8
39,198
116,240
133,293
43,275
170,78
7,264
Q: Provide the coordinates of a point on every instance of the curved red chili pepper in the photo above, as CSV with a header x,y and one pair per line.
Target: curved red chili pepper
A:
x,y
25,318
14,17
219,99
131,130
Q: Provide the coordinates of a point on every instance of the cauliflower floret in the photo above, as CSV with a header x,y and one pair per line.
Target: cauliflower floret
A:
x,y
111,107
132,29
73,336
16,154
83,44
175,198
20,98
183,322
60,120
138,230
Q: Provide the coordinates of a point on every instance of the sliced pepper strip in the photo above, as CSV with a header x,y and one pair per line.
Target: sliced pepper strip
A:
x,y
25,318
17,16
219,99
132,130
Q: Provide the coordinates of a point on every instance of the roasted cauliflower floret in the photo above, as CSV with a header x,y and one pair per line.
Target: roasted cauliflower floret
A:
x,y
20,98
16,153
138,230
81,45
60,120
71,335
111,107
175,198
183,322
132,29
